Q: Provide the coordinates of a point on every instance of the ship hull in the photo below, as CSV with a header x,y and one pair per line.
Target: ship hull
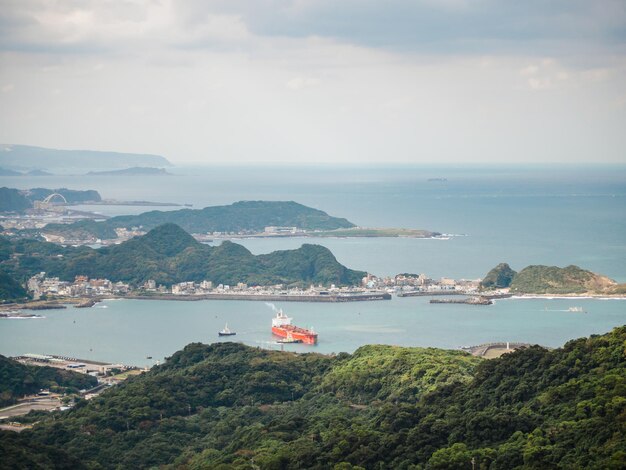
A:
x,y
306,336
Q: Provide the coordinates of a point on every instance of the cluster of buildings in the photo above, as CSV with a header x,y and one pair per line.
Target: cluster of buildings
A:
x,y
269,231
123,235
42,286
207,287
421,282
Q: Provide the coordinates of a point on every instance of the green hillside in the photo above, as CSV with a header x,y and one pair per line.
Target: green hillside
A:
x,y
499,277
555,280
12,200
539,279
246,216
70,195
17,200
169,255
231,406
10,289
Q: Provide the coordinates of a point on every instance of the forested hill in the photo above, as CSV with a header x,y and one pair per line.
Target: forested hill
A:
x,y
539,279
247,216
384,407
169,255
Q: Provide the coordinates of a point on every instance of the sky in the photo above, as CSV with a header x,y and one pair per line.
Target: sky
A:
x,y
318,81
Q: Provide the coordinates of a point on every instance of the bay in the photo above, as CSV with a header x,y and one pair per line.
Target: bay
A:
x,y
556,215
128,331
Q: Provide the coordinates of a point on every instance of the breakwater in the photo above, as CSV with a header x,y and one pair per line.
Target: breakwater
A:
x,y
468,301
423,293
269,297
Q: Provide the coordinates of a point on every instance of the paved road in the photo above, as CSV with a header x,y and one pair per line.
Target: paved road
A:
x,y
24,408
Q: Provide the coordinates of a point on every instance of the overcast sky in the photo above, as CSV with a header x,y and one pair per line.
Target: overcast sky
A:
x,y
341,81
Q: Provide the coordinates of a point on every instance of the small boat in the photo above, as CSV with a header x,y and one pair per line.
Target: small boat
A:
x,y
226,331
148,357
576,309
288,340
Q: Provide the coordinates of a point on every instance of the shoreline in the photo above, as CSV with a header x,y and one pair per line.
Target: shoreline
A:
x,y
570,296
268,297
88,302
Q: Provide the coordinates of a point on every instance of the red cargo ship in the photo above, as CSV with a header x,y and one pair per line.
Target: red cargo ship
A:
x,y
281,326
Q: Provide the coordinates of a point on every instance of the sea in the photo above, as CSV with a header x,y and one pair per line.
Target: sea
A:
x,y
522,215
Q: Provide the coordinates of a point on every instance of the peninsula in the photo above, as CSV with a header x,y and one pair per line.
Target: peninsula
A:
x,y
244,219
26,157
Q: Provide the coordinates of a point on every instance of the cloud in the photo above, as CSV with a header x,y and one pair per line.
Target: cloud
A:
x,y
558,27
548,73
315,80
299,83
561,28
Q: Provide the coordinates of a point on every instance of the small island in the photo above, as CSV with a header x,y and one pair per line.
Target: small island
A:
x,y
551,280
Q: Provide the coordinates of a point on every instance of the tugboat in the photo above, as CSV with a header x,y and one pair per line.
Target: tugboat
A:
x,y
226,331
289,339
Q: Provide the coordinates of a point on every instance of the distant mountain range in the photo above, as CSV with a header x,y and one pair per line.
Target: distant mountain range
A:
x,y
169,255
20,158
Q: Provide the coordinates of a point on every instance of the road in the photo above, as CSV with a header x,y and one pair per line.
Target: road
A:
x,y
21,409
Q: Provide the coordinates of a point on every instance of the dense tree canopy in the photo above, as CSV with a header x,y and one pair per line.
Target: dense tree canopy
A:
x,y
10,289
231,406
539,279
248,216
499,277
169,255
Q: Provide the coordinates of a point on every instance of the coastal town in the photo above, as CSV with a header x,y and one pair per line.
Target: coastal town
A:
x,y
42,287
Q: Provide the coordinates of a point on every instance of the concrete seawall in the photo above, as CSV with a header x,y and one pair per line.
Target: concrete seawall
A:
x,y
267,298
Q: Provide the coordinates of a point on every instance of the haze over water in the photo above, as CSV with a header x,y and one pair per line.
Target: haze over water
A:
x,y
540,215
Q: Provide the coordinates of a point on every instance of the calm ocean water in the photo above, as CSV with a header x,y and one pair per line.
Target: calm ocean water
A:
x,y
540,215
129,331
